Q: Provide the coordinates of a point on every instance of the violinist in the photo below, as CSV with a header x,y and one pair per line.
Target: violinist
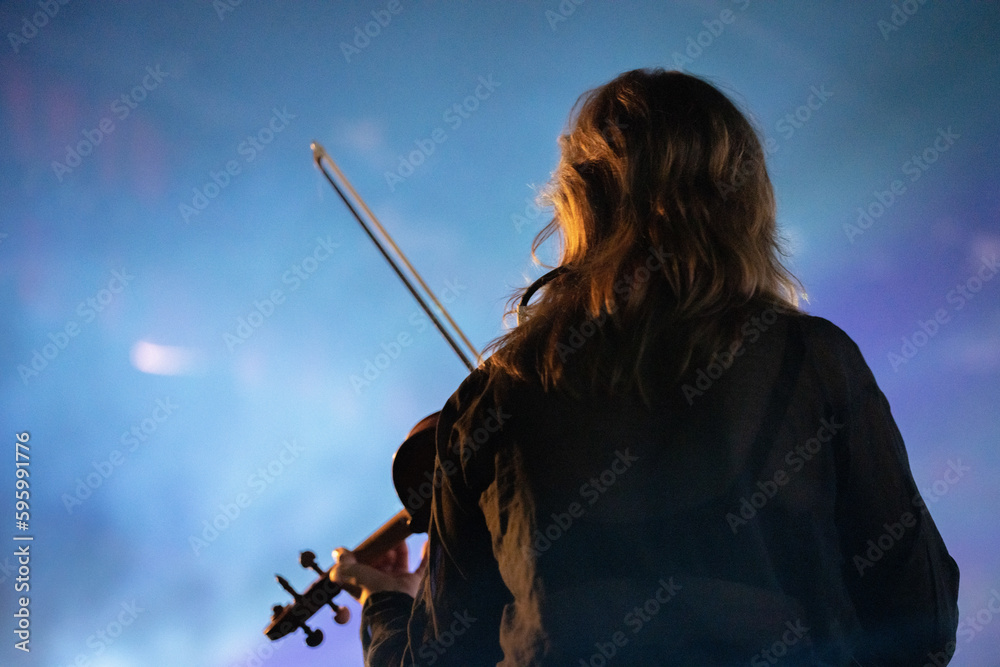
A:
x,y
666,462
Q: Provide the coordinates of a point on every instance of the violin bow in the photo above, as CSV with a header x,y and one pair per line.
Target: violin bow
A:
x,y
286,619
322,158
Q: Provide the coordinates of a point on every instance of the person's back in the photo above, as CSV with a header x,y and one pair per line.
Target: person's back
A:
x,y
726,523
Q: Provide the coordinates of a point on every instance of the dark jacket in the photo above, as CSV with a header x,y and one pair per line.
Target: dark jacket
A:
x,y
763,512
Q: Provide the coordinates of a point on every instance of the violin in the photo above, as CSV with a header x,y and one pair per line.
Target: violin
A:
x,y
413,463
412,467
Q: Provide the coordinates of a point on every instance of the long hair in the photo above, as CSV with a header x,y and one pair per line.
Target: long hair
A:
x,y
666,221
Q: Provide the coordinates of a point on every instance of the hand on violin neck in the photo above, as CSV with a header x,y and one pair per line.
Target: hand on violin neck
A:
x,y
389,572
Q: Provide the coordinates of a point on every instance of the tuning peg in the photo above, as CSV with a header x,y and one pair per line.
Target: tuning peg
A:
x,y
307,559
340,614
277,609
287,586
313,637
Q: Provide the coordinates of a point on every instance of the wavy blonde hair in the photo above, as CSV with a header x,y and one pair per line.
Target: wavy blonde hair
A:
x,y
666,220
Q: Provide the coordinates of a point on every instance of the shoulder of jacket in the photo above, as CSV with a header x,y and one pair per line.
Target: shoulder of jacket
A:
x,y
834,351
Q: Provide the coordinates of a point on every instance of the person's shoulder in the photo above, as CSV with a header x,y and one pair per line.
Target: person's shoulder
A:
x,y
831,347
484,388
817,333
822,330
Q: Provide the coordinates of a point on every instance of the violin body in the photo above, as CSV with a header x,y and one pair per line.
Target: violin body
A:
x,y
413,478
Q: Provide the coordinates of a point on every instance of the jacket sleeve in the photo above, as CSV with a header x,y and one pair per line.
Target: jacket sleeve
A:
x,y
901,579
455,618
383,627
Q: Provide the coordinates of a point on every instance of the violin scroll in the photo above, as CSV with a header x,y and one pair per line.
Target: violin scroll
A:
x,y
287,619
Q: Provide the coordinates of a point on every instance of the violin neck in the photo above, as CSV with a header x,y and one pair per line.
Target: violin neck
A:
x,y
388,535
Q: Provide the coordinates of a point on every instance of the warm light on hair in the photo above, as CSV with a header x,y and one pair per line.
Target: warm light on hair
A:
x,y
666,220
